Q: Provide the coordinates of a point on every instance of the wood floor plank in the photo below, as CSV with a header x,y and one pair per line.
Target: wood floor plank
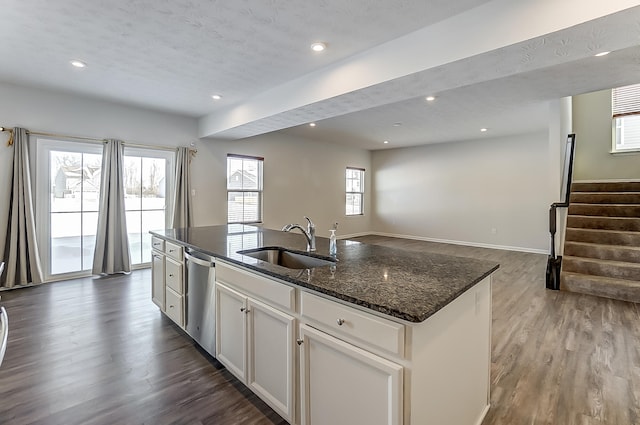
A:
x,y
98,351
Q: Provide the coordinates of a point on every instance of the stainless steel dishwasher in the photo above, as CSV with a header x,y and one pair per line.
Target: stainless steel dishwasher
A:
x,y
200,299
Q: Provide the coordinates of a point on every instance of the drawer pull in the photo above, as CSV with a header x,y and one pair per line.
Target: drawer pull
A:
x,y
170,306
170,275
157,244
299,341
340,322
171,250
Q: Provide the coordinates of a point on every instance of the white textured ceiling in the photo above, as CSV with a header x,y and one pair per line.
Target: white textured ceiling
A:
x,y
172,55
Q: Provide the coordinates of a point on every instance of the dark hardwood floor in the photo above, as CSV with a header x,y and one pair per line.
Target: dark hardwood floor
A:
x,y
98,351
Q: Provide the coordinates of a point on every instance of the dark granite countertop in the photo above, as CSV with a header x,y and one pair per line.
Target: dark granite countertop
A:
x,y
408,285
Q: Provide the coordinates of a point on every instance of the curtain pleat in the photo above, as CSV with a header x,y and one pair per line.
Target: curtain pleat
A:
x,y
111,253
182,212
21,256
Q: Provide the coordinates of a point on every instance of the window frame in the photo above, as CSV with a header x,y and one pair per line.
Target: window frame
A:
x,y
625,105
170,157
361,192
259,190
40,164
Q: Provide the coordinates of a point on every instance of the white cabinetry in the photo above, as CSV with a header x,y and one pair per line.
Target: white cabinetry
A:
x,y
157,272
167,279
254,339
342,384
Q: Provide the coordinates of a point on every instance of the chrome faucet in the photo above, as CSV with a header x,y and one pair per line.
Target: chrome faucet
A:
x,y
310,233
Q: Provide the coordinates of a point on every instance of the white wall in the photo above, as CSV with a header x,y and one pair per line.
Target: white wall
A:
x,y
460,191
301,177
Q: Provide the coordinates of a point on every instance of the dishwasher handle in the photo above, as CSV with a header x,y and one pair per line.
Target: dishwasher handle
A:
x,y
199,261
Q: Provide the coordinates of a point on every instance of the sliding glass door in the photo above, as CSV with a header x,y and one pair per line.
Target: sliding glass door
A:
x,y
67,200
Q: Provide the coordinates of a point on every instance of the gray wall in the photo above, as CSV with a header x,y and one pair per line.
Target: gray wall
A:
x,y
593,127
459,192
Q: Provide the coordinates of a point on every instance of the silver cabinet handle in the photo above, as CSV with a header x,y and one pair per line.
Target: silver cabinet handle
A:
x,y
340,322
299,341
244,310
157,243
170,275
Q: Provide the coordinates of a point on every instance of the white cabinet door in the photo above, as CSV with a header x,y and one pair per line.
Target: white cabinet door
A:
x,y
271,356
344,385
231,336
157,279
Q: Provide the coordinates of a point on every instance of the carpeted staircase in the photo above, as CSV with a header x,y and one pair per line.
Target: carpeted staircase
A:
x,y
602,243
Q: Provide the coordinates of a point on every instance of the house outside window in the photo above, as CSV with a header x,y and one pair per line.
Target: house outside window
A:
x,y
625,108
244,189
354,191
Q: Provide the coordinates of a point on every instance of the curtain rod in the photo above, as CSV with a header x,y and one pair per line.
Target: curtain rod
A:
x,y
90,139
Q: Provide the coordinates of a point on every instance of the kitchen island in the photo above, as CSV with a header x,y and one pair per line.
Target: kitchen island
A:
x,y
381,335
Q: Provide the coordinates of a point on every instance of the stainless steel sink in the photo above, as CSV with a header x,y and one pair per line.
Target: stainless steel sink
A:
x,y
285,258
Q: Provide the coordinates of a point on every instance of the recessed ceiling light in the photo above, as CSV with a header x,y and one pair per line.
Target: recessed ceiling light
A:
x,y
397,124
216,97
386,142
318,47
312,124
430,98
78,64
483,129
602,54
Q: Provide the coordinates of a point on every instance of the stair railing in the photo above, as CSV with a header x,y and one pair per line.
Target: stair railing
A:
x,y
554,262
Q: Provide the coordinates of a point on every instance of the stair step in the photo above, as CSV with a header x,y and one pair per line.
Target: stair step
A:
x,y
604,198
604,237
631,224
605,268
606,187
619,289
629,254
605,210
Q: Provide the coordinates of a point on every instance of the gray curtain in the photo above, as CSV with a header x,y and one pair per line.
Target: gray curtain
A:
x,y
20,254
182,212
112,244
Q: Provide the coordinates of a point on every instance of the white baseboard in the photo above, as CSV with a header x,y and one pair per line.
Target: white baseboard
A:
x,y
465,243
607,181
353,235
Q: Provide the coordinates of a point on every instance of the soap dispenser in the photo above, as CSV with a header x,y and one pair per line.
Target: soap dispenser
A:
x,y
333,248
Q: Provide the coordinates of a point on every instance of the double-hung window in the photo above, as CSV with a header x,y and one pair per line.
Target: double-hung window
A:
x,y
354,191
244,189
625,108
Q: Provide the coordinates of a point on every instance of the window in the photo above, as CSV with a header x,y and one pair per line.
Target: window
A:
x,y
147,175
244,189
355,191
68,178
625,105
68,192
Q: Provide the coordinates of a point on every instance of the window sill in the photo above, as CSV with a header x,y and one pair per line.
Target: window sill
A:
x,y
626,152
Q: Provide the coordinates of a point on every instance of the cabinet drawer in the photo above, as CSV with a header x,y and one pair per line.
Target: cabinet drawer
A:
x,y
353,324
173,251
173,275
175,307
157,243
274,293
